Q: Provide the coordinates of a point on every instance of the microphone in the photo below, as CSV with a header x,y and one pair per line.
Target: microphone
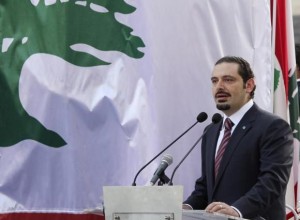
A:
x,y
215,119
160,171
200,118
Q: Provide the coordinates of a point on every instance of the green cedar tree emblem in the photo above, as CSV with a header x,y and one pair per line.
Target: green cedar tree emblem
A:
x,y
33,27
276,78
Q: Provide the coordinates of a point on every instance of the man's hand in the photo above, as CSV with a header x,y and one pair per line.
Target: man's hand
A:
x,y
223,208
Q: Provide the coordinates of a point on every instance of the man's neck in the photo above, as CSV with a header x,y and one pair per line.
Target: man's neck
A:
x,y
243,109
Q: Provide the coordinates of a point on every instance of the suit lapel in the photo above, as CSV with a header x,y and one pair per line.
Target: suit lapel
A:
x,y
239,132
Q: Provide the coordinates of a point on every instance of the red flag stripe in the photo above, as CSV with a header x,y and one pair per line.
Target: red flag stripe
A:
x,y
281,46
50,216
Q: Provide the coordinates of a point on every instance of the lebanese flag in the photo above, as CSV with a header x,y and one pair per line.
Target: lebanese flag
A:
x,y
285,86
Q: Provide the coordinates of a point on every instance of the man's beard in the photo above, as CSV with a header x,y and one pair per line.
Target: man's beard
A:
x,y
223,107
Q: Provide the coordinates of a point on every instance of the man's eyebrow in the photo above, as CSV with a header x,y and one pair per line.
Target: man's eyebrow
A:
x,y
215,77
229,76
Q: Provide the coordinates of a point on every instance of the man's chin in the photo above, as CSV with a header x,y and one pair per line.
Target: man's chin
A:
x,y
223,107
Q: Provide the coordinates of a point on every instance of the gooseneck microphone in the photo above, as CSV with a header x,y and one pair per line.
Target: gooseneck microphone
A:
x,y
215,119
165,162
200,118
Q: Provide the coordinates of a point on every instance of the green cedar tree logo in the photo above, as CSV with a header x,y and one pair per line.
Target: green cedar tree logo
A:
x,y
31,27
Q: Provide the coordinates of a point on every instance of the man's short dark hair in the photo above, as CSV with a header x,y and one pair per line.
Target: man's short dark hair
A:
x,y
244,70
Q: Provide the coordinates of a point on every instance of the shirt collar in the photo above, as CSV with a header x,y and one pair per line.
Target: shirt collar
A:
x,y
237,116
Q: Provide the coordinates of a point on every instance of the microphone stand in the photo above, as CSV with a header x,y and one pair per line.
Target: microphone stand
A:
x,y
163,179
192,148
134,184
215,119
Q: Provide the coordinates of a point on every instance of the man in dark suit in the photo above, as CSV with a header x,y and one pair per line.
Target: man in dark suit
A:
x,y
246,163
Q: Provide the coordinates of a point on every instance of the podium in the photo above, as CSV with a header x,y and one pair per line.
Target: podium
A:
x,y
142,202
151,203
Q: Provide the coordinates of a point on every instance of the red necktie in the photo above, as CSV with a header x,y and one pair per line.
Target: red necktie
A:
x,y
227,134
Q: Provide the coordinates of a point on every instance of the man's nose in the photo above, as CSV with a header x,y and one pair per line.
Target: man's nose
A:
x,y
220,85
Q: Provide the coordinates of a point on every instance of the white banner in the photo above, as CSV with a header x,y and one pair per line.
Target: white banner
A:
x,y
114,118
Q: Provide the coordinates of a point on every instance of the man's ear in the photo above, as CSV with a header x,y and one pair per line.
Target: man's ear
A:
x,y
250,85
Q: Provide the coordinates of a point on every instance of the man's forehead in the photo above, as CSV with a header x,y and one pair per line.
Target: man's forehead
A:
x,y
222,69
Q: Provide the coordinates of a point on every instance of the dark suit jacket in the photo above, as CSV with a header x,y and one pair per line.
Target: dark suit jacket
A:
x,y
255,168
298,84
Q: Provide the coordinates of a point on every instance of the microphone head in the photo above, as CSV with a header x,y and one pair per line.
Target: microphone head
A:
x,y
168,159
202,117
216,118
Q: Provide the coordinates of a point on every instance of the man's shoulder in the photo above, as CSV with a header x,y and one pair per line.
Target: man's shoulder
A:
x,y
262,116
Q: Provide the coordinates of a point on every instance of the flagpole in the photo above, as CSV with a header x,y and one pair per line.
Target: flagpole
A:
x,y
274,13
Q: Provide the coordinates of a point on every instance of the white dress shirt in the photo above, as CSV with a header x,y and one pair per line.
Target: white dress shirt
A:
x,y
235,118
